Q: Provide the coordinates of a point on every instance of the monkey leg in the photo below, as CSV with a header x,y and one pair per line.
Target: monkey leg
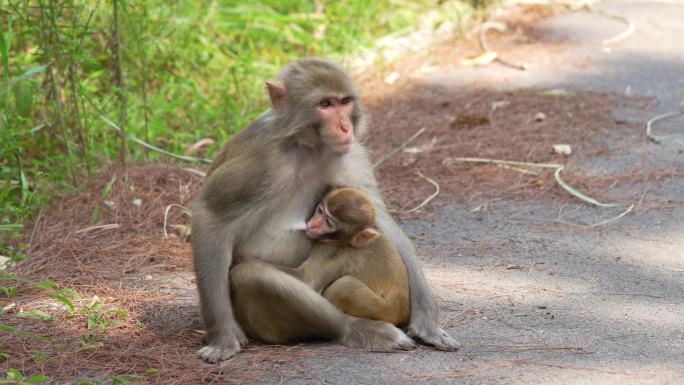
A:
x,y
276,307
353,297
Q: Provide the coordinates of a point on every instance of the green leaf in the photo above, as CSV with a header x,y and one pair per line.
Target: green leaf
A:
x,y
14,374
5,189
11,226
119,380
108,187
118,312
124,379
152,372
5,44
95,215
24,187
65,301
37,379
39,356
23,98
46,284
71,293
35,313
30,72
21,332
37,128
8,291
90,321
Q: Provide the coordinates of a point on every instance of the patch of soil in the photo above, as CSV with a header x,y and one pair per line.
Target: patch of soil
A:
x,y
520,126
94,241
115,221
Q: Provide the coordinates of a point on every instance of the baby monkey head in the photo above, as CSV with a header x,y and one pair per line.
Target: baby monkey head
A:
x,y
345,216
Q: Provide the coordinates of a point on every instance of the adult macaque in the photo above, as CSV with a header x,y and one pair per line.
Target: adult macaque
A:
x,y
267,178
355,266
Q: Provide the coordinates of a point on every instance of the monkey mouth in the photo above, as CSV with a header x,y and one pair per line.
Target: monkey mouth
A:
x,y
342,147
311,234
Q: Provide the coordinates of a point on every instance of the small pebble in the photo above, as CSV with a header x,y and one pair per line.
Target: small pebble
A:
x,y
540,117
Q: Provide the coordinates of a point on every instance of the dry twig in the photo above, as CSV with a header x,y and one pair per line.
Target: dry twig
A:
x,y
558,169
426,201
99,227
486,26
168,208
196,172
133,138
620,36
401,147
649,126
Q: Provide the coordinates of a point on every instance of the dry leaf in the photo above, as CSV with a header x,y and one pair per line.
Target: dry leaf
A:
x,y
391,78
563,149
465,121
536,183
482,59
182,231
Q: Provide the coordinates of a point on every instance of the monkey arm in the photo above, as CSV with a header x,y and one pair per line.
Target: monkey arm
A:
x,y
220,213
321,268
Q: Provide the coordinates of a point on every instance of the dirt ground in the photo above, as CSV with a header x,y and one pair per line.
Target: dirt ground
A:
x,y
533,293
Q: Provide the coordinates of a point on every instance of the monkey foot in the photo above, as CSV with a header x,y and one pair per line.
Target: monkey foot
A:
x,y
436,337
214,354
376,336
224,348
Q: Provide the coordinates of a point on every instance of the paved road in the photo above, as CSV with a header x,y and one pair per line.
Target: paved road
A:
x,y
592,307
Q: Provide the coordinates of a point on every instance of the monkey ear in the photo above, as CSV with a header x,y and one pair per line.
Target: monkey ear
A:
x,y
276,90
363,237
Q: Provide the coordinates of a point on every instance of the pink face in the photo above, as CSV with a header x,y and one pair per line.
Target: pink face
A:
x,y
336,112
320,223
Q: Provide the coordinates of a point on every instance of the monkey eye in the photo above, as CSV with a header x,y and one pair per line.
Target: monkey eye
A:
x,y
319,209
346,100
329,223
325,103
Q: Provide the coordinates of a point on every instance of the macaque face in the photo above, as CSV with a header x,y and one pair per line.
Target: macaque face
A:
x,y
321,223
336,112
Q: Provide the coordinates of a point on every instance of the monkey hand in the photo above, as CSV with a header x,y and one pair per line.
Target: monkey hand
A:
x,y
223,347
430,333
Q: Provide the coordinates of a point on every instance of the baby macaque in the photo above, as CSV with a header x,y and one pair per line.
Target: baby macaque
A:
x,y
352,263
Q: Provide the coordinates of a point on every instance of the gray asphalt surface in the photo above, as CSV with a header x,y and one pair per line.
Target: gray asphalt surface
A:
x,y
535,306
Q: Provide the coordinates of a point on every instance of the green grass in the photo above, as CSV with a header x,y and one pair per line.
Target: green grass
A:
x,y
188,70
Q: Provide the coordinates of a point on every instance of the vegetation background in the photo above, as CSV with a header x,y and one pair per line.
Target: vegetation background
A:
x,y
91,85
166,73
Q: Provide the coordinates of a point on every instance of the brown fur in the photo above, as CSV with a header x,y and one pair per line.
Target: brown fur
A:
x,y
266,177
368,280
